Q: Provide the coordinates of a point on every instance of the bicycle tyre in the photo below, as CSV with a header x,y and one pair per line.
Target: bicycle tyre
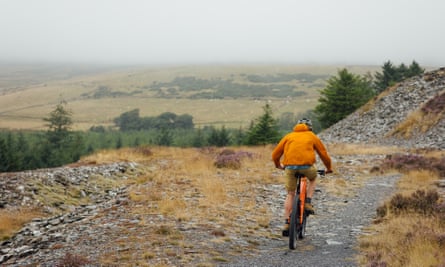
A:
x,y
294,223
302,230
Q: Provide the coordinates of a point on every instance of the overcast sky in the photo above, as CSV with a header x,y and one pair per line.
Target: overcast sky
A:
x,y
223,31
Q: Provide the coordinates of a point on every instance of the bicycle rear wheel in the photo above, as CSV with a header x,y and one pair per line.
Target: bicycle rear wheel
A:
x,y
294,224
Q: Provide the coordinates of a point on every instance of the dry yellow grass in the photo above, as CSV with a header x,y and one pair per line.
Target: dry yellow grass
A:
x,y
12,220
361,149
409,239
403,241
415,123
419,179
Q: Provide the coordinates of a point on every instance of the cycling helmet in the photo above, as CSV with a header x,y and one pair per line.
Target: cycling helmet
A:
x,y
306,121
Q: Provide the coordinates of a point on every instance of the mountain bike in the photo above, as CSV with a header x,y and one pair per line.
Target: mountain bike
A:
x,y
298,218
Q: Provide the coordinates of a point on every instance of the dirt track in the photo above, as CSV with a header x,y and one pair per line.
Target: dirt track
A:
x,y
332,233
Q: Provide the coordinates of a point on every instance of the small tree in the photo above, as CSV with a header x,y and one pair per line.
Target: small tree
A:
x,y
342,96
415,69
59,122
198,139
264,130
61,145
219,138
239,136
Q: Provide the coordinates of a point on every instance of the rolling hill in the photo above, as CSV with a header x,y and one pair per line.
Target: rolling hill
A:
x,y
230,95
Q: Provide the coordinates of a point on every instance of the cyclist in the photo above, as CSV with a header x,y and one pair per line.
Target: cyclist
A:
x,y
297,150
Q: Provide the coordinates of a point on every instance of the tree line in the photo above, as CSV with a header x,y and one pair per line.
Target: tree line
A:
x,y
131,121
59,145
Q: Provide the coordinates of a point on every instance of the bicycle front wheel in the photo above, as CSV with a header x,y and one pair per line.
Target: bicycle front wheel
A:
x,y
302,230
294,224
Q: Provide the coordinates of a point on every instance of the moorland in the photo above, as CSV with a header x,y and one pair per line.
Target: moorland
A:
x,y
173,222
229,95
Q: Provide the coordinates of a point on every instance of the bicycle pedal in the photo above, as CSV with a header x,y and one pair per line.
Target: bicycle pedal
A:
x,y
285,232
309,212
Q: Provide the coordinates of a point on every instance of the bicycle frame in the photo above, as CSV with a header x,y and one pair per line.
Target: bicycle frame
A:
x,y
299,215
301,193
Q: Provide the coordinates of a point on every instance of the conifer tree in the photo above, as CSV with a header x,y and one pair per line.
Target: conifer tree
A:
x,y
61,145
264,130
342,96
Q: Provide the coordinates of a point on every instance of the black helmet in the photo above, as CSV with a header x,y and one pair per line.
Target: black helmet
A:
x,y
306,121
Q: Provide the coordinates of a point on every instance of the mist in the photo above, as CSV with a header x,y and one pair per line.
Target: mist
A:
x,y
223,32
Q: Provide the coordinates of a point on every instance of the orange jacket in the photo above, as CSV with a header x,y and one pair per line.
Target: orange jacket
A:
x,y
298,148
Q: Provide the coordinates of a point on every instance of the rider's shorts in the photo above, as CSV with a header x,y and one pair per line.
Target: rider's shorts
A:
x,y
291,182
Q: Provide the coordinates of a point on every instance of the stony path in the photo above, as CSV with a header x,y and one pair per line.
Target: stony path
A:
x,y
331,234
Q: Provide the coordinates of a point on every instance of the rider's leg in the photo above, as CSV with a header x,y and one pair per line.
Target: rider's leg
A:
x,y
291,186
311,188
288,203
287,211
311,174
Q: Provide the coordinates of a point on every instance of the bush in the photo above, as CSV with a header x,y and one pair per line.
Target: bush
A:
x,y
231,159
71,260
421,202
435,105
409,162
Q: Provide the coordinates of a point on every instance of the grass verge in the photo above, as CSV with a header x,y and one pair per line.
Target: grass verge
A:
x,y
410,226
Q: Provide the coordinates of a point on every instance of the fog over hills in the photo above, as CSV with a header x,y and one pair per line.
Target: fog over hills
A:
x,y
209,32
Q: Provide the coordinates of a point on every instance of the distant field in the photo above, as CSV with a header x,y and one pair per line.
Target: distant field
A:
x,y
96,95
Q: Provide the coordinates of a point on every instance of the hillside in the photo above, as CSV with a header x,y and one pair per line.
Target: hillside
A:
x,y
409,114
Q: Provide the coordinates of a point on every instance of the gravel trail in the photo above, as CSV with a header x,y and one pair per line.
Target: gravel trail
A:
x,y
332,233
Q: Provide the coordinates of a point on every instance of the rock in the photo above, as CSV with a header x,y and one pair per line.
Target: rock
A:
x,y
42,233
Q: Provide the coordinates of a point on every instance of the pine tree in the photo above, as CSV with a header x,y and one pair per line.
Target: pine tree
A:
x,y
391,75
264,130
198,139
342,96
61,145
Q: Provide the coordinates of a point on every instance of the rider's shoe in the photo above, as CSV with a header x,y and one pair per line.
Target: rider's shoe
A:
x,y
309,208
285,231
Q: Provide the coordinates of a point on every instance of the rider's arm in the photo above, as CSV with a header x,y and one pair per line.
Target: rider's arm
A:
x,y
277,153
323,153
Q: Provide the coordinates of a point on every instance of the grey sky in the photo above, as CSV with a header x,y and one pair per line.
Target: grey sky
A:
x,y
223,31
